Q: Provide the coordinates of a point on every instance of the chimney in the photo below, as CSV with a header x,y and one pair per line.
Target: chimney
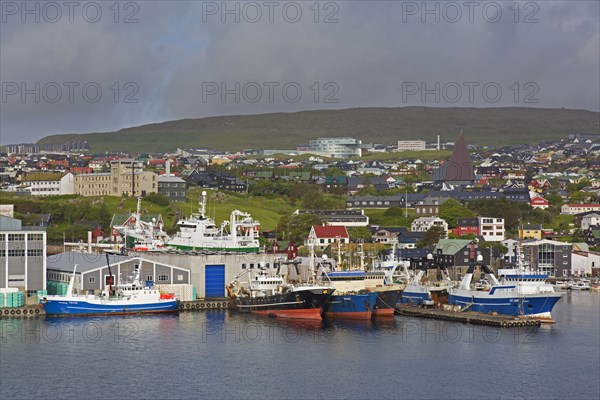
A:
x,y
168,167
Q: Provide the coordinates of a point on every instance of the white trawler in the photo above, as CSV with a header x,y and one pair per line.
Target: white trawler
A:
x,y
199,232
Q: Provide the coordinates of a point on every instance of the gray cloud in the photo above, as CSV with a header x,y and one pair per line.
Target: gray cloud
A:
x,y
368,55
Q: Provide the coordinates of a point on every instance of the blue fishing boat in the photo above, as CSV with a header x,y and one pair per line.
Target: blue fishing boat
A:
x,y
351,299
123,299
521,292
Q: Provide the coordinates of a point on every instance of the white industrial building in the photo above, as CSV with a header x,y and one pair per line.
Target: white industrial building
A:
x,y
336,147
411,145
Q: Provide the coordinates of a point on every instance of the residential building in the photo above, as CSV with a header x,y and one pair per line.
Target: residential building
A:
x,y
47,183
22,256
549,256
429,206
491,229
347,218
323,236
590,219
336,147
539,202
530,231
466,226
170,186
585,263
423,224
592,235
458,254
572,209
411,145
126,177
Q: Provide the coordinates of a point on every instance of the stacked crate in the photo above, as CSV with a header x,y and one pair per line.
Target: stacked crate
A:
x,y
11,297
182,291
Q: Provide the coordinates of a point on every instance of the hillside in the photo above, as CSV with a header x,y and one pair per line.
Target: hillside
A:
x,y
379,125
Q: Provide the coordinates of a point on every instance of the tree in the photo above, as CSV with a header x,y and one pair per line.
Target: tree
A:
x,y
451,210
358,233
432,236
295,228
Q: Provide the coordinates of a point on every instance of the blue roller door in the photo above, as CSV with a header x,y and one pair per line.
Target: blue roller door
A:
x,y
214,281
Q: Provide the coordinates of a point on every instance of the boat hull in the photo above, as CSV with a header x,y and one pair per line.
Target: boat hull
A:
x,y
539,305
300,304
351,306
82,308
386,303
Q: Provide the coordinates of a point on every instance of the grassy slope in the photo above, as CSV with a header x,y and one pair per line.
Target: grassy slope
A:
x,y
509,125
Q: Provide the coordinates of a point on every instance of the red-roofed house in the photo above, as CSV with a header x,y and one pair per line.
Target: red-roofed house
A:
x,y
323,235
539,202
573,209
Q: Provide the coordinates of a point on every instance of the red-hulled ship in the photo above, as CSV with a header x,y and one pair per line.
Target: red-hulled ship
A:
x,y
270,295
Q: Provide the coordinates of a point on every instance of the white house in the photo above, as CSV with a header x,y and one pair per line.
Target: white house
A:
x,y
582,262
492,229
573,209
323,236
422,224
47,183
591,219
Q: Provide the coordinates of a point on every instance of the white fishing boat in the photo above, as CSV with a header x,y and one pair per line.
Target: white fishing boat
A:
x,y
200,232
133,297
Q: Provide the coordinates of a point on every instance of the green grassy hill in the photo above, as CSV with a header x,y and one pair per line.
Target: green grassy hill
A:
x,y
490,126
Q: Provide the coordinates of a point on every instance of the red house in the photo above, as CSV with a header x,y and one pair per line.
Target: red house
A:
x,y
539,202
465,226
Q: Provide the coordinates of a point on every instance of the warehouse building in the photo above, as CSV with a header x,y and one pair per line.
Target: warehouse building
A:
x,y
92,270
22,256
208,273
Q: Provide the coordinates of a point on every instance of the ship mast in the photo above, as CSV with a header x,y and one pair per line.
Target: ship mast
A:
x,y
203,205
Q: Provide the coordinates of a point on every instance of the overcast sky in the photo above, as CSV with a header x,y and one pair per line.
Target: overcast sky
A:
x,y
156,61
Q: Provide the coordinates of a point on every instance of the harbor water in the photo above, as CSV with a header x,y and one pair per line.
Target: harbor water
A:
x,y
221,354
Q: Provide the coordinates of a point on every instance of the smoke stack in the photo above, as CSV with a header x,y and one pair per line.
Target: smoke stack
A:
x,y
168,168
438,147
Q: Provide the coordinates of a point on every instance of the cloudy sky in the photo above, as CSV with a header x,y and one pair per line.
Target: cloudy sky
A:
x,y
94,67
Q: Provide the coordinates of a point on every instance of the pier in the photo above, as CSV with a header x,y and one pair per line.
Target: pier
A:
x,y
467,317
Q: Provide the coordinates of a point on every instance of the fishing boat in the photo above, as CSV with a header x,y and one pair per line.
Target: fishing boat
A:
x,y
357,291
394,283
200,232
269,294
418,292
132,298
141,235
521,292
352,300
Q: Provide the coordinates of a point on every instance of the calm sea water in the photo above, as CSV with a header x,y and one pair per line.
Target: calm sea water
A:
x,y
227,355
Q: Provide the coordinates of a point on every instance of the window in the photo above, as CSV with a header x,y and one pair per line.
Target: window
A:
x,y
92,279
149,277
179,277
565,272
163,278
243,266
